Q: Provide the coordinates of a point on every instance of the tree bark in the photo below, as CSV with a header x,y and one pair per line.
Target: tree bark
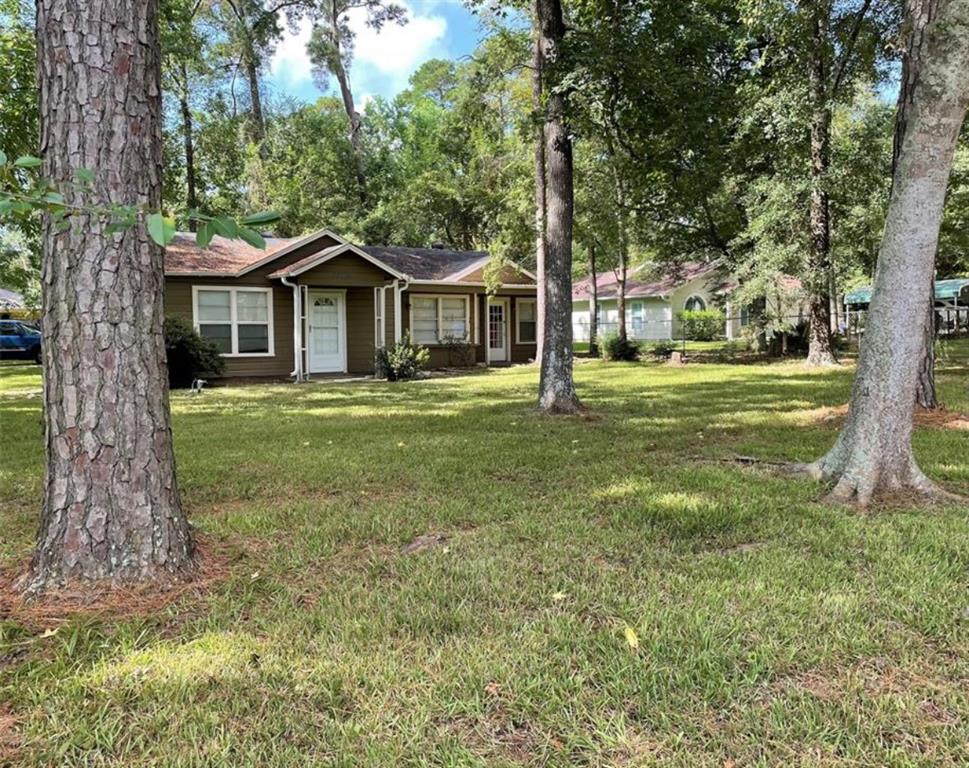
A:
x,y
873,453
111,508
925,395
820,341
188,139
539,171
594,303
623,267
256,120
556,387
340,73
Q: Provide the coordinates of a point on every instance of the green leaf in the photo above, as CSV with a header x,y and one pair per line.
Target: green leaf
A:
x,y
264,217
27,161
55,197
161,228
3,157
226,227
84,175
117,226
252,237
204,236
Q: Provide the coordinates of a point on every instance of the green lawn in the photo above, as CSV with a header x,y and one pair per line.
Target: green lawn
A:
x,y
772,629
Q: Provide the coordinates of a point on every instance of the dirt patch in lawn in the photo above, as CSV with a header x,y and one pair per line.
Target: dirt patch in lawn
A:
x,y
48,611
939,418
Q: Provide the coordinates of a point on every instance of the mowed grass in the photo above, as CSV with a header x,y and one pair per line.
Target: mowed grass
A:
x,y
772,629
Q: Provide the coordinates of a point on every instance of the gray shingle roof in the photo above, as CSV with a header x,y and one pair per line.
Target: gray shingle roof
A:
x,y
424,263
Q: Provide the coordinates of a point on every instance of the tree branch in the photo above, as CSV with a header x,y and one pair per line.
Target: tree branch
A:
x,y
850,47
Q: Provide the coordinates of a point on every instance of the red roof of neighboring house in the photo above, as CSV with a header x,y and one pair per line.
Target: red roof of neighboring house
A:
x,y
641,282
223,256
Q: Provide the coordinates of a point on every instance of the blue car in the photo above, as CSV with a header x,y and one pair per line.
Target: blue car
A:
x,y
19,339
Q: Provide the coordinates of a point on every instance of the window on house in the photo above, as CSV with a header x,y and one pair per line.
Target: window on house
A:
x,y
527,321
434,319
639,316
695,304
237,320
744,317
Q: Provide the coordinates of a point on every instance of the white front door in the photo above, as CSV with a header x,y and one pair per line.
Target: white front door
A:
x,y
498,331
327,332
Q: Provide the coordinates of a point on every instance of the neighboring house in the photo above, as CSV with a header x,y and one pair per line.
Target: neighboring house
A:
x,y
320,304
11,299
951,304
653,301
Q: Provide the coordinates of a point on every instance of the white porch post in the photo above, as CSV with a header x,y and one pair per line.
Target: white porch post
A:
x,y
397,312
487,332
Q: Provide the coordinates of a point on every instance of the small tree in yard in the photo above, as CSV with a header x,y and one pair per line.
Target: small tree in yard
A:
x,y
873,453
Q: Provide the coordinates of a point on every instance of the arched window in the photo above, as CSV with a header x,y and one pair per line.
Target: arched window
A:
x,y
695,304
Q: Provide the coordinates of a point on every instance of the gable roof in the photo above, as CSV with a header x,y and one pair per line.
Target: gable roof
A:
x,y
321,257
642,282
230,258
234,258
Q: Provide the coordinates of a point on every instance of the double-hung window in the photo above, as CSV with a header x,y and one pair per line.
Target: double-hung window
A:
x,y
638,317
527,321
436,319
238,320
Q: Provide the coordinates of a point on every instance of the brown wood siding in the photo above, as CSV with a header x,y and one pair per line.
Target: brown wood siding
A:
x,y
344,271
390,314
178,301
360,347
440,355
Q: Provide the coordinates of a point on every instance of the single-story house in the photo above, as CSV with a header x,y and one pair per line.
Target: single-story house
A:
x,y
653,301
322,305
951,304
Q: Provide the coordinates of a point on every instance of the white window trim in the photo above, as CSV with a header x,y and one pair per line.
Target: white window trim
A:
x,y
695,296
437,297
518,320
234,323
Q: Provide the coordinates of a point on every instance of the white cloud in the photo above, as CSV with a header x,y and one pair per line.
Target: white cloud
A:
x,y
291,63
382,61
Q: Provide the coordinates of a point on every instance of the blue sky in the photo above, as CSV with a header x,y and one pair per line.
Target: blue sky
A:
x,y
383,61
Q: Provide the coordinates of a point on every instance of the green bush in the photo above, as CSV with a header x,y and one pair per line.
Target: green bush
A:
x,y
701,325
663,349
614,348
190,356
402,361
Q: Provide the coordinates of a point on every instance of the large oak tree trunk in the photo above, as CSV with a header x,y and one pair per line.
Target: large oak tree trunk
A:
x,y
556,387
111,508
873,453
820,341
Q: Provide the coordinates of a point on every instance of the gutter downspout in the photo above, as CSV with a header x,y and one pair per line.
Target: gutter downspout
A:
x,y
297,373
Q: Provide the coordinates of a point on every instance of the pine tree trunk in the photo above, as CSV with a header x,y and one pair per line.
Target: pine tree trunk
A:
x,y
873,453
256,120
556,387
820,342
188,139
623,268
539,171
111,508
594,304
346,93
